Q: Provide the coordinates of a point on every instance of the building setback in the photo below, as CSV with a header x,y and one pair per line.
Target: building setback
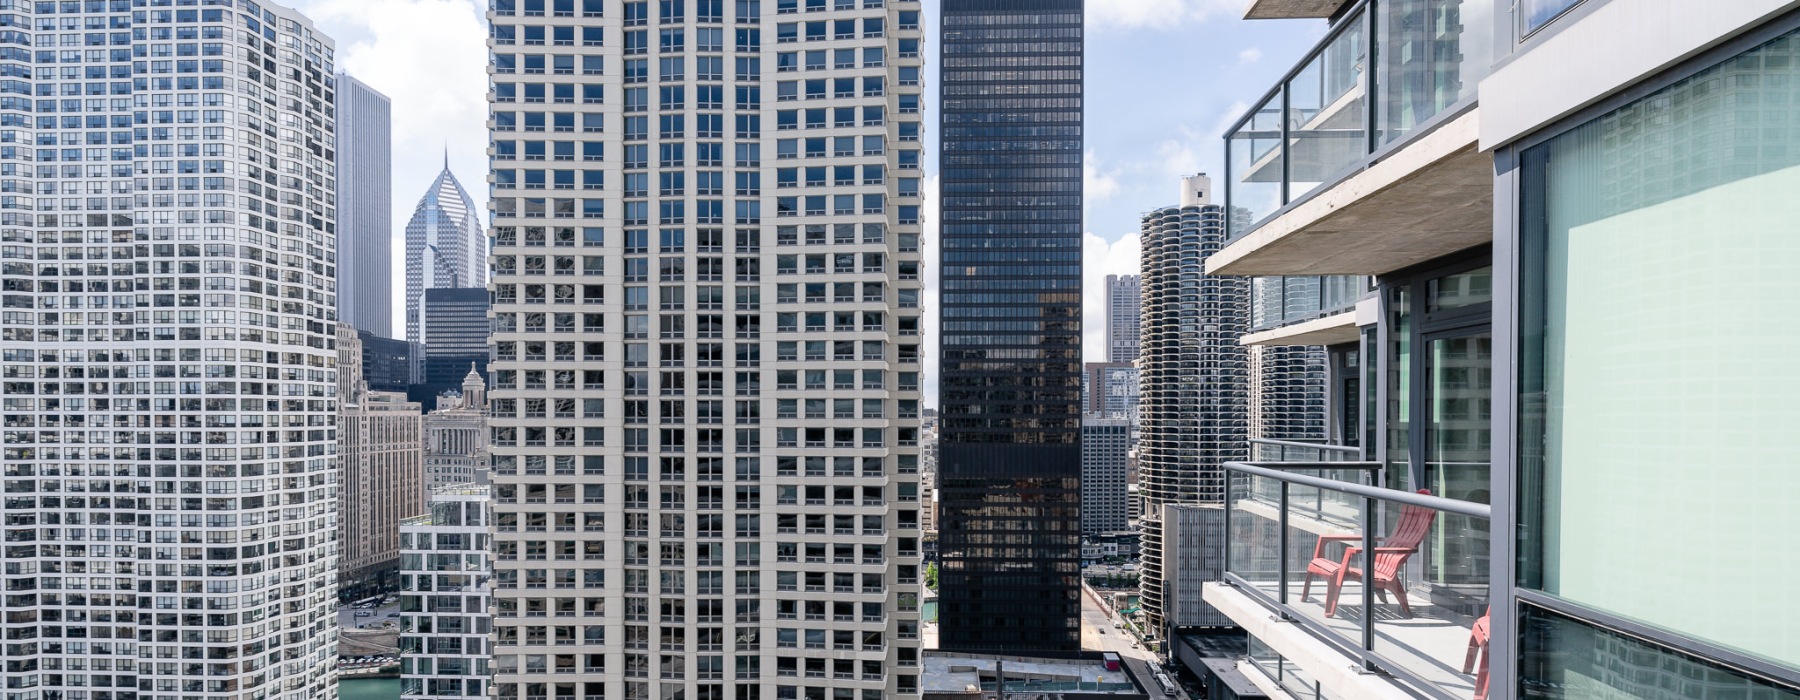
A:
x,y
365,229
1010,327
167,333
705,387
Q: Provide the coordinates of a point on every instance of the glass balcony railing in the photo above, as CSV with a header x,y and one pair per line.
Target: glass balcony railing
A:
x,y
1300,538
1334,110
1280,301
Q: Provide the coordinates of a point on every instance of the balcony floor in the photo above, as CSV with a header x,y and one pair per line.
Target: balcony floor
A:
x,y
1431,644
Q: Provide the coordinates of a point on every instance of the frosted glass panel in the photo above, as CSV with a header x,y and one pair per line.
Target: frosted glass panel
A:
x,y
1662,359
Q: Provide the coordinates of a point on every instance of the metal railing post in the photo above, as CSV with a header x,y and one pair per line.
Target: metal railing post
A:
x,y
1282,567
1368,580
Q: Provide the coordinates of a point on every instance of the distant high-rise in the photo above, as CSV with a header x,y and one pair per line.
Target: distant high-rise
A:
x,y
386,362
455,334
1123,296
167,317
1194,374
447,575
380,474
365,229
1104,444
1010,332
446,247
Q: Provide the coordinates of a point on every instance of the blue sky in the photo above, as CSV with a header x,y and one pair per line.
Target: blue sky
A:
x,y
1164,79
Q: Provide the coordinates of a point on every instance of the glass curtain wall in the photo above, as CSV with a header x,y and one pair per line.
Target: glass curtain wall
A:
x,y
1659,372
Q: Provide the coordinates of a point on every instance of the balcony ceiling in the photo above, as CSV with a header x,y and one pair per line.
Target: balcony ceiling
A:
x,y
1329,330
1292,9
1429,199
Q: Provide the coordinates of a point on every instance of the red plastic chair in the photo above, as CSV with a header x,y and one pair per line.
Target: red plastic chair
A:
x,y
1478,652
1395,549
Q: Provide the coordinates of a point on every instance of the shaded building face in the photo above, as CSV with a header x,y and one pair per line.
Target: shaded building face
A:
x,y
1010,381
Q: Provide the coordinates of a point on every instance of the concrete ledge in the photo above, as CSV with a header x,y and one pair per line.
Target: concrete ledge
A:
x,y
1292,9
1335,671
1328,330
1261,680
1619,43
1431,198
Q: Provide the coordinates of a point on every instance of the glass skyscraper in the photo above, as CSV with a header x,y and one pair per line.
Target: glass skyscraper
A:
x,y
1010,387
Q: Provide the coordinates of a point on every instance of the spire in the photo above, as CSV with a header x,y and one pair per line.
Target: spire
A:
x,y
446,156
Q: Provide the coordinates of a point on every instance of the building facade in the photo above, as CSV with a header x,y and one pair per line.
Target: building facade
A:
x,y
456,437
1124,296
454,330
380,475
1578,241
1194,375
167,333
446,573
1104,444
386,363
446,247
365,186
705,390
1010,325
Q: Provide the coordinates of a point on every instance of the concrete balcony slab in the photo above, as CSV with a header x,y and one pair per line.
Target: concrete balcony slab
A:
x,y
1293,9
1328,330
1431,198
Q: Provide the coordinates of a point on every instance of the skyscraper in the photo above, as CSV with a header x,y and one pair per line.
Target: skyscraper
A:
x,y
168,340
455,335
705,393
365,155
1010,333
1123,296
446,246
1104,444
447,573
1195,375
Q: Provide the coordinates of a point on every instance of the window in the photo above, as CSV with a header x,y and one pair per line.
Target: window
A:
x,y
1640,437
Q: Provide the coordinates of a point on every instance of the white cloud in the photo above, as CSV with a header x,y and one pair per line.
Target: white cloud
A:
x,y
1154,14
1100,258
1097,185
1249,56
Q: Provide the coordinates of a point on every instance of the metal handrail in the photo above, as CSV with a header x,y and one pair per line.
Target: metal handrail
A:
x,y
1438,503
1296,443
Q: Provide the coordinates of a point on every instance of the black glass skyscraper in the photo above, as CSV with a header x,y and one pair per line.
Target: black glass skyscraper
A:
x,y
1010,381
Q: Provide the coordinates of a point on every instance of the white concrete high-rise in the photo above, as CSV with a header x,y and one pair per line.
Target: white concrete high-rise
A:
x,y
446,247
365,158
446,570
168,347
705,394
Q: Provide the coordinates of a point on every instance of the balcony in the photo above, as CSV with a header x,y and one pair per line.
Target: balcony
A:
x,y
1288,520
1351,168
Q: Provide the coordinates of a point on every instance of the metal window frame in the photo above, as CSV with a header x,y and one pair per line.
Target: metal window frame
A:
x,y
1508,597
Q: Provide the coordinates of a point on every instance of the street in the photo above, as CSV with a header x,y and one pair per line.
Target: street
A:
x,y
1098,633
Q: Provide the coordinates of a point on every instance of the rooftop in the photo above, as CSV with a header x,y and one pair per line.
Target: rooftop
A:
x,y
947,672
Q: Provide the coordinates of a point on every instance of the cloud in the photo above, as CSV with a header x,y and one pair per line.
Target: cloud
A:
x,y
1100,258
1154,14
1097,185
1249,56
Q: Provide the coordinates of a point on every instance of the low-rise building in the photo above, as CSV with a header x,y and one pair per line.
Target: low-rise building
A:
x,y
445,622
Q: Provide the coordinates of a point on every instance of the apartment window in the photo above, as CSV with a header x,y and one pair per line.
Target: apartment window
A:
x,y
1650,335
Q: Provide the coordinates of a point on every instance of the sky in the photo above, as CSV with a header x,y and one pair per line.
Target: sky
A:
x,y
1165,78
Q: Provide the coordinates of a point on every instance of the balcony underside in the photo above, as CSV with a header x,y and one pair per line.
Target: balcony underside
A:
x,y
1432,198
1292,9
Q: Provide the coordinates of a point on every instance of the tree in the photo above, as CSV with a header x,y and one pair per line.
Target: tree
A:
x,y
931,573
